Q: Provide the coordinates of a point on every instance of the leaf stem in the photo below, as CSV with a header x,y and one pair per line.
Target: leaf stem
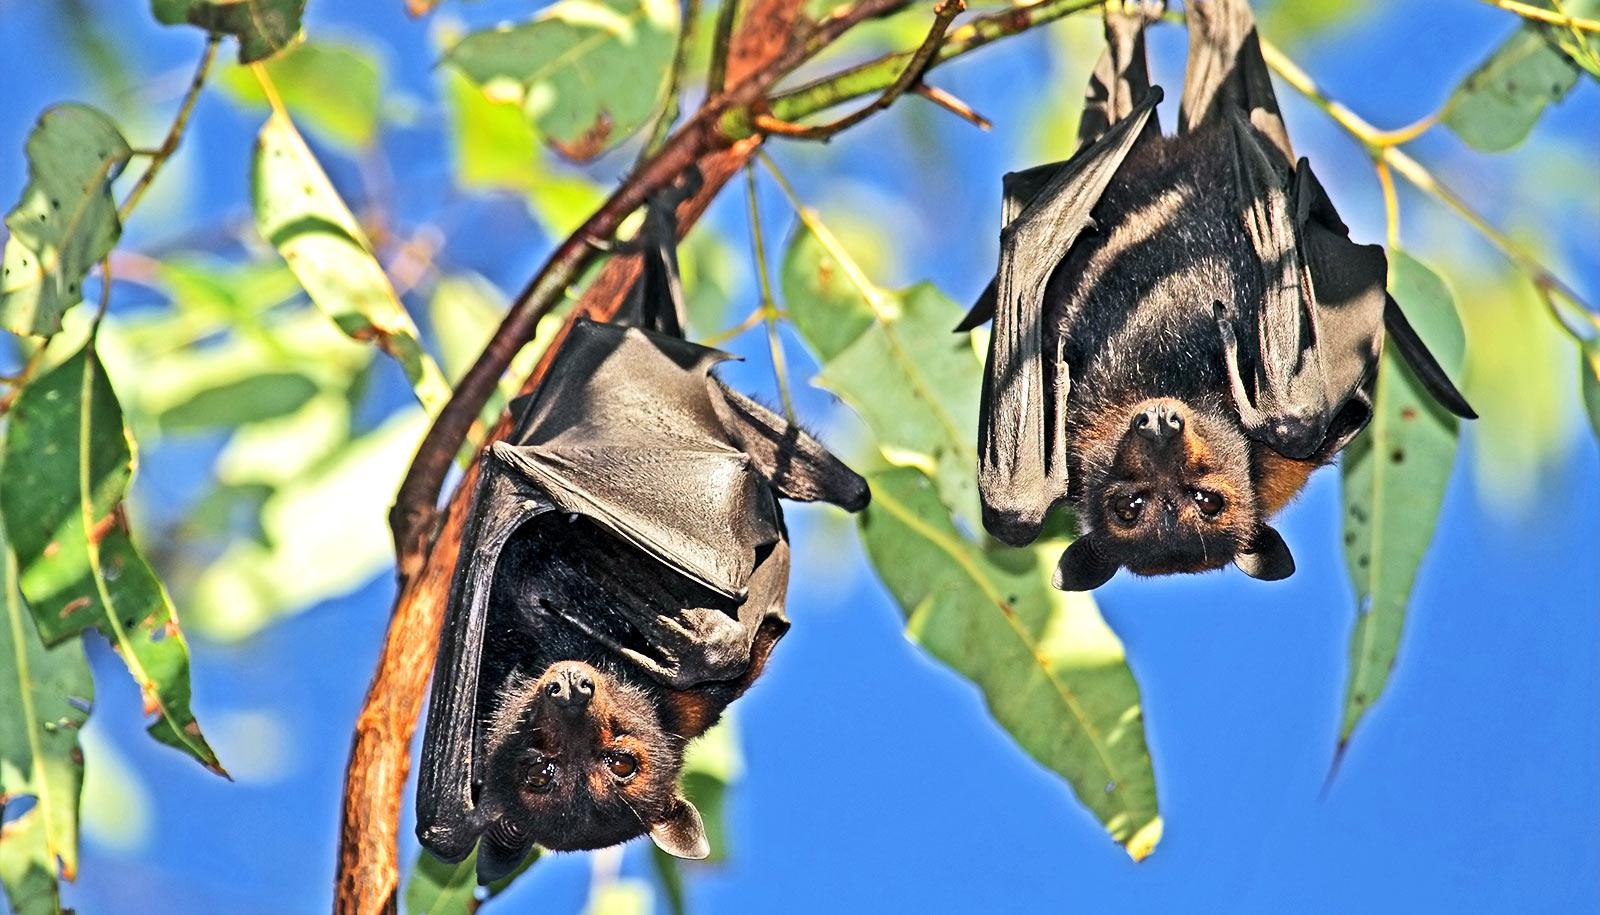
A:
x,y
160,155
769,308
1540,14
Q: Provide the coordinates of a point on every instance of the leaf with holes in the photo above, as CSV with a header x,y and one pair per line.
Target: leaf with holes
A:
x,y
1051,671
66,220
263,27
892,357
69,461
1497,105
1394,476
300,213
45,695
588,73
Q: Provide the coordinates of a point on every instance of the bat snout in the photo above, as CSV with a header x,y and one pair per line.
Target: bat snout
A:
x,y
570,686
1159,423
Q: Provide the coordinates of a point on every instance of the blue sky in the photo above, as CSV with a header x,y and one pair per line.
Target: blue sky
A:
x,y
874,779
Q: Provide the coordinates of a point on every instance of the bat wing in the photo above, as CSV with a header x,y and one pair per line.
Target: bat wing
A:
x,y
625,421
1227,73
448,821
1022,445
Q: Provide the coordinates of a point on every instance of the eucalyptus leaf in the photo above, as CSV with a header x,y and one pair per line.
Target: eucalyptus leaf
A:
x,y
1394,476
588,73
66,220
1496,106
45,694
441,888
337,89
1589,368
300,213
263,27
1051,671
892,357
69,461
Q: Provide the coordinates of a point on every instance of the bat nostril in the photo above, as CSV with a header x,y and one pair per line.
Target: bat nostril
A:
x,y
585,685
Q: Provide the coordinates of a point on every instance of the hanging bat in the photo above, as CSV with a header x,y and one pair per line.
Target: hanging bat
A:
x,y
621,580
1183,329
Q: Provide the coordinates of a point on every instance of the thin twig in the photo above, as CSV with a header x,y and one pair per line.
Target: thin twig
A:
x,y
717,77
943,14
769,308
160,155
1391,204
716,340
1539,14
952,104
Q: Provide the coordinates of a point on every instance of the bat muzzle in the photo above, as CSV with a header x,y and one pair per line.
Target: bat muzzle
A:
x,y
570,687
1160,424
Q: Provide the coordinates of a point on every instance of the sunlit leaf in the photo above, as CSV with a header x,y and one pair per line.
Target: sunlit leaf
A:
x,y
589,73
66,220
1590,369
263,27
495,148
1051,671
300,213
45,695
1497,105
439,888
68,463
620,896
893,358
336,89
1394,476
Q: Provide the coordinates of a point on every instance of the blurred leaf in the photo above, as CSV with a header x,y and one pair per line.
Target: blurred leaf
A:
x,y
68,463
1521,387
494,148
300,213
623,896
465,311
440,888
44,702
263,27
589,73
1590,369
252,399
1050,670
335,88
66,220
1394,475
893,358
706,259
1290,21
1497,105
326,535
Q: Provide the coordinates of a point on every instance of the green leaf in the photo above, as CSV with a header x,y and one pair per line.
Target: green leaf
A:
x,y
69,461
1394,476
619,896
495,149
1049,668
1590,369
893,358
300,213
44,701
250,399
66,220
263,27
440,888
1496,106
335,88
588,73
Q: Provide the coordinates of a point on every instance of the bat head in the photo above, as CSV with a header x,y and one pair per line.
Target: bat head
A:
x,y
581,758
1169,491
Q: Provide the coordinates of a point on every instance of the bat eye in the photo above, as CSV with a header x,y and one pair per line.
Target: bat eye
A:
x,y
1128,508
542,775
622,765
1208,502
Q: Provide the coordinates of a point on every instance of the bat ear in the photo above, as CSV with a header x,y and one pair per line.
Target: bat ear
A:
x,y
1082,568
682,834
1268,558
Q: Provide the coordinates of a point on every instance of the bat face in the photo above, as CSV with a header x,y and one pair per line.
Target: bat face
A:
x,y
1172,492
578,759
